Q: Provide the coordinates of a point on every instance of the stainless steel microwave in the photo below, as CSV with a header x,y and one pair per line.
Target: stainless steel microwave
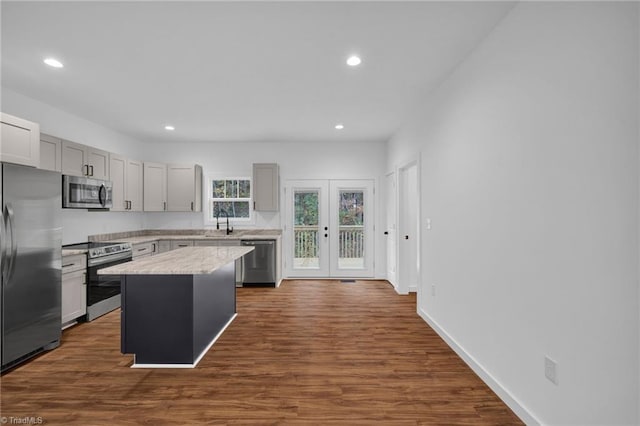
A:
x,y
86,193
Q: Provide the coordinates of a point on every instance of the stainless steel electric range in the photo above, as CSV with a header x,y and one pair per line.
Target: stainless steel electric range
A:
x,y
103,291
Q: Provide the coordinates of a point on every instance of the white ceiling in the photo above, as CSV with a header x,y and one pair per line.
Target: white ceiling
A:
x,y
232,71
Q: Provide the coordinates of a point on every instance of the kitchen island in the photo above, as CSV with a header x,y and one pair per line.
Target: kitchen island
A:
x,y
175,305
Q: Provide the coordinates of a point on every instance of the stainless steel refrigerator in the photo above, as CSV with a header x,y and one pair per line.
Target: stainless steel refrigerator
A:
x,y
30,262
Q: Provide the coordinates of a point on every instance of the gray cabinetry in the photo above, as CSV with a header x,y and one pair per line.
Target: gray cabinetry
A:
x,y
82,160
20,141
265,187
74,288
184,188
50,153
155,187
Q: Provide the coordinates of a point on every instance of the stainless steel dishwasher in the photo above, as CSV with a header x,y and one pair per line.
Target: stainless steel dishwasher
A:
x,y
259,266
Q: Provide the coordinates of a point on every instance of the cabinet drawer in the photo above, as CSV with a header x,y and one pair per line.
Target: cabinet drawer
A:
x,y
181,243
144,249
76,262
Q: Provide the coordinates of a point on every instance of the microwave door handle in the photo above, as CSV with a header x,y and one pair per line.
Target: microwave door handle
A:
x,y
14,246
100,199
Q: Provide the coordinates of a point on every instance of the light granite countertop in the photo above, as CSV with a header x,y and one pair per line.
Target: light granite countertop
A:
x,y
182,261
244,234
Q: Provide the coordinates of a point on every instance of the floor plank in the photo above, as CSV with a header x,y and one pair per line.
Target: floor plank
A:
x,y
306,353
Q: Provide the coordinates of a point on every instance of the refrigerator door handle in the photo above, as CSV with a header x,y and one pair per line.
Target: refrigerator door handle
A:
x,y
14,246
3,250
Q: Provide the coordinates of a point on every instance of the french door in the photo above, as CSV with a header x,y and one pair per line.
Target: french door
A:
x,y
329,228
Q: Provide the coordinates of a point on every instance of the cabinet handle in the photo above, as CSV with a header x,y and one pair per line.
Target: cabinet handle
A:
x,y
142,249
192,206
68,264
91,167
86,170
129,203
164,205
254,205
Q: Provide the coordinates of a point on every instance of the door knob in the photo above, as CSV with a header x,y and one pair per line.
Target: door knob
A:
x,y
326,228
386,232
326,235
406,237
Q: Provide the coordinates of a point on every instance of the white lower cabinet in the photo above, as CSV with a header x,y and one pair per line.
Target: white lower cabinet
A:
x,y
164,245
74,288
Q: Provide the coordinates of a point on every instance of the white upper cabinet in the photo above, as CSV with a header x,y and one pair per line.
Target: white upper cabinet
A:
x,y
82,160
50,153
118,172
126,176
133,187
184,188
155,187
20,141
265,187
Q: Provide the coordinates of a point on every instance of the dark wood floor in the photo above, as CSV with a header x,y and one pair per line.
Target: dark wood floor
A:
x,y
309,352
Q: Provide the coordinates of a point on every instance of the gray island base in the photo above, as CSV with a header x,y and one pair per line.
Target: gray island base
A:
x,y
177,304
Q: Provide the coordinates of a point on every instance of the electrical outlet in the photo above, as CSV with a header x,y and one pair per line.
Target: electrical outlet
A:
x,y
433,289
551,370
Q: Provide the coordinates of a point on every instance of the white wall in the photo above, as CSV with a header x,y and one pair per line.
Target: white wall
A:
x,y
78,224
530,175
296,161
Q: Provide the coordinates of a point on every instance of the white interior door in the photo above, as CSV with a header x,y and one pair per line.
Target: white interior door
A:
x,y
329,228
408,238
390,230
351,228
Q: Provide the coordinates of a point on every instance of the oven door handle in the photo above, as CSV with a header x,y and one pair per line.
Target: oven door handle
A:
x,y
109,259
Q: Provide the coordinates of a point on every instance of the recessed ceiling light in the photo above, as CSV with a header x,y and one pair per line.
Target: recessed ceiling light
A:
x,y
354,61
169,128
339,126
52,62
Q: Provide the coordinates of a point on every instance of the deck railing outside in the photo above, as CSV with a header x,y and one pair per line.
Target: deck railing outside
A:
x,y
350,241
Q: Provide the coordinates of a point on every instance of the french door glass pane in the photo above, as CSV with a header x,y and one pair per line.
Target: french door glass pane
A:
x,y
351,216
305,229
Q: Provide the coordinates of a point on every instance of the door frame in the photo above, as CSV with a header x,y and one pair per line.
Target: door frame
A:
x,y
328,247
403,286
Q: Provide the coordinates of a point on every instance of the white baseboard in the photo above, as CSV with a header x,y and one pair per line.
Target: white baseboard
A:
x,y
495,386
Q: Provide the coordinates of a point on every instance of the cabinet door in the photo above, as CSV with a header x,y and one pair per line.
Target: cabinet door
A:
x,y
118,172
155,187
50,153
265,187
134,185
74,296
181,188
98,161
164,246
74,159
20,141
